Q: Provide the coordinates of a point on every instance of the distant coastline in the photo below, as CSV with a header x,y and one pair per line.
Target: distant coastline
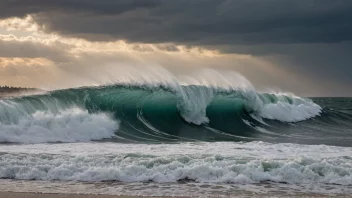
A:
x,y
8,91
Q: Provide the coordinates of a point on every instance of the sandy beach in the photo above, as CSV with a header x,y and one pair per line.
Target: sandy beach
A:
x,y
55,195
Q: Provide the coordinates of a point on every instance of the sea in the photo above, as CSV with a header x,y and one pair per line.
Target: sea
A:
x,y
173,139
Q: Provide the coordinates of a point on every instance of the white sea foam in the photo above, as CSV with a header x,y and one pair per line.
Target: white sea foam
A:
x,y
300,109
66,125
238,163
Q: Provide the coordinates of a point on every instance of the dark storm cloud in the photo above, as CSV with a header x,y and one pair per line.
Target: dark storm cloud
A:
x,y
10,8
196,22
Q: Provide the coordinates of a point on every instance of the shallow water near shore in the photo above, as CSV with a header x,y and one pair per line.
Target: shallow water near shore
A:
x,y
184,189
185,169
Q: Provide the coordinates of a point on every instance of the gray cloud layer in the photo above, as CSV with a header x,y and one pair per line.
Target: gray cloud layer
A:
x,y
198,22
311,37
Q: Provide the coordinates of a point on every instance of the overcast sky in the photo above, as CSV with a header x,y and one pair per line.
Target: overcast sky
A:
x,y
299,46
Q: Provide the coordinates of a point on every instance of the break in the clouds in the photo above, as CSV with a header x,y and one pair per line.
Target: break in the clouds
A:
x,y
310,39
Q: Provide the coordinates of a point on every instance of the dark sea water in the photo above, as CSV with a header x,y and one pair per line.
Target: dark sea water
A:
x,y
178,140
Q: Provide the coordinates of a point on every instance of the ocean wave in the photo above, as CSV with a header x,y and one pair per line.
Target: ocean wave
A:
x,y
67,125
151,110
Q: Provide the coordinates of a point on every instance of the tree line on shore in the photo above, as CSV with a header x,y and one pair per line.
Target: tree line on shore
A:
x,y
9,89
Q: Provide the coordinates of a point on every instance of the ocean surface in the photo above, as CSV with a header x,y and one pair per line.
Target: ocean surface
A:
x,y
172,139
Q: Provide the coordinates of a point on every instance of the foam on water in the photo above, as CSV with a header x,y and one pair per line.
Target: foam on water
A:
x,y
297,109
238,163
66,125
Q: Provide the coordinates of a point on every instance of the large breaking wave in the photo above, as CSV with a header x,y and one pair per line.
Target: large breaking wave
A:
x,y
222,107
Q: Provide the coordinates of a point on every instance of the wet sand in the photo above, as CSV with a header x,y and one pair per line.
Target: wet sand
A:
x,y
58,195
47,195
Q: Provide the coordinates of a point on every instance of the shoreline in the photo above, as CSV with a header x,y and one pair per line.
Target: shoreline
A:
x,y
72,195
63,195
